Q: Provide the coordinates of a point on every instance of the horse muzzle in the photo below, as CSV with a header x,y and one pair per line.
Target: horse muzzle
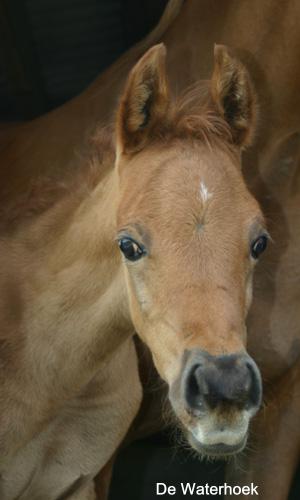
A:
x,y
215,398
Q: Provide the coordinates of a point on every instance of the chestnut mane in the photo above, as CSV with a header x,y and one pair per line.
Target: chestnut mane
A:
x,y
190,115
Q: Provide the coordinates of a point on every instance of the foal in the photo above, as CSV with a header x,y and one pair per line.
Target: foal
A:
x,y
161,238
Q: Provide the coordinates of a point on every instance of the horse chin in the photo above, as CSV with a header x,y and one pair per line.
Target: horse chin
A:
x,y
219,449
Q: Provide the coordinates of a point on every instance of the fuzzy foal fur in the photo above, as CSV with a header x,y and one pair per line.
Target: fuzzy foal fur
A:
x,y
265,35
69,380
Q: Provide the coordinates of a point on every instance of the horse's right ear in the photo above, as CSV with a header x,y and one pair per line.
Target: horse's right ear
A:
x,y
144,101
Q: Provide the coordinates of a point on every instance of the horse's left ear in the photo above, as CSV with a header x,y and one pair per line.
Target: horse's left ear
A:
x,y
144,102
233,95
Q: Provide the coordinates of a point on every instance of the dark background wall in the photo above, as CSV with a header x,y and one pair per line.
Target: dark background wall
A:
x,y
52,49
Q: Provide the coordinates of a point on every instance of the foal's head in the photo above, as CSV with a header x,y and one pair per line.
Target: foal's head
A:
x,y
190,234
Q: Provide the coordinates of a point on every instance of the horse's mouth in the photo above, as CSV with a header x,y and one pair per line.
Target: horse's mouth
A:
x,y
216,450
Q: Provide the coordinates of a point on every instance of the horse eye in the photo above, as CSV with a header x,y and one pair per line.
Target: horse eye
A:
x,y
130,249
258,246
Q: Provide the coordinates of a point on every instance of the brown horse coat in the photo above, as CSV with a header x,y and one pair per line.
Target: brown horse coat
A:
x,y
265,35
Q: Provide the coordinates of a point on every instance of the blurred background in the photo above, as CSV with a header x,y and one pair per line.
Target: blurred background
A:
x,y
52,49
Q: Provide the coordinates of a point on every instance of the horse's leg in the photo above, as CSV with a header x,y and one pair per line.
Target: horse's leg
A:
x,y
273,452
86,493
103,479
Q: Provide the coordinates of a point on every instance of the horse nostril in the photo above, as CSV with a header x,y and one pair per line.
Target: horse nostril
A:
x,y
255,385
231,380
193,392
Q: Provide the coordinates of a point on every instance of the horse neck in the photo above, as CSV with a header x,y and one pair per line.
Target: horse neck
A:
x,y
75,308
68,320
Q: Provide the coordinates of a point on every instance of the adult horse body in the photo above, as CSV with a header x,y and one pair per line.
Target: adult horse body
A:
x,y
266,38
70,303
